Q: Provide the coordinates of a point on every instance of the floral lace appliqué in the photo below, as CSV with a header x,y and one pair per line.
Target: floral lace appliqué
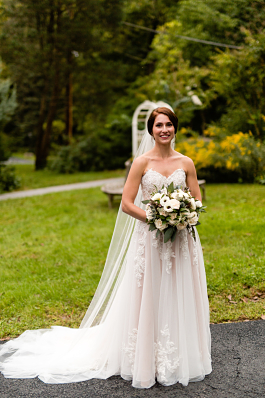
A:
x,y
195,254
130,349
165,360
168,255
184,243
139,260
157,243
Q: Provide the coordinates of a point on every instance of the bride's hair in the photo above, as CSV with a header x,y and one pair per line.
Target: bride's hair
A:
x,y
165,111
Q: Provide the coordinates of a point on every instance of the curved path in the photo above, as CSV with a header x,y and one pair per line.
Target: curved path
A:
x,y
59,188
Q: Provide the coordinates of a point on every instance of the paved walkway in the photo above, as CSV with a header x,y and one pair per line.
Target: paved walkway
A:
x,y
59,188
238,354
15,160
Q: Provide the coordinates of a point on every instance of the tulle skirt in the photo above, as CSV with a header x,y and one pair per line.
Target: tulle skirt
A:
x,y
157,327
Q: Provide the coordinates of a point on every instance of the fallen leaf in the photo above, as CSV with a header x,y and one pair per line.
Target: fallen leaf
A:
x,y
229,297
263,317
259,294
245,299
232,302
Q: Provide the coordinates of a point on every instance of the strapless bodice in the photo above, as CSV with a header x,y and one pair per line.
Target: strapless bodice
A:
x,y
152,179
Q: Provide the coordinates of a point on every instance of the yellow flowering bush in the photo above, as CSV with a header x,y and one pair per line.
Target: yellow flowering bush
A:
x,y
225,158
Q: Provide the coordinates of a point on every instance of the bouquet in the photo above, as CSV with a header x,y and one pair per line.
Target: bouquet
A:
x,y
171,209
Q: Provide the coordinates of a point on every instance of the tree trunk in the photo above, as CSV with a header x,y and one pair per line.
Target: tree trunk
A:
x,y
44,135
43,141
69,108
40,133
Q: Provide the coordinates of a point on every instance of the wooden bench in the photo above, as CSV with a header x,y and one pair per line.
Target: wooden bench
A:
x,y
112,190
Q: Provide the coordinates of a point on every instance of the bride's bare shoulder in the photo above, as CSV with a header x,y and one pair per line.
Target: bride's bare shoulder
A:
x,y
187,162
142,160
140,163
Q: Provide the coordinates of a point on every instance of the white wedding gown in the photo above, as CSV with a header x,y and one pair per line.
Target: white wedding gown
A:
x,y
157,327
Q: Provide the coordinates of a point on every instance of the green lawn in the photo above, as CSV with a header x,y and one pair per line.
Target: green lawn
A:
x,y
31,179
52,252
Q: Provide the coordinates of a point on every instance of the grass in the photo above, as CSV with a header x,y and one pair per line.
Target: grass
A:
x,y
52,253
31,179
232,235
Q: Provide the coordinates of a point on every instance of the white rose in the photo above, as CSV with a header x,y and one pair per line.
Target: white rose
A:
x,y
193,204
149,215
162,211
157,196
173,219
192,214
159,225
163,191
185,195
182,225
164,200
175,204
198,203
193,220
177,194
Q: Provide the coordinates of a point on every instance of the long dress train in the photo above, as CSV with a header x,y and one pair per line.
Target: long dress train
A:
x,y
157,326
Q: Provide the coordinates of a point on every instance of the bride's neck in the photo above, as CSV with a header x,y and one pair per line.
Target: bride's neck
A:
x,y
163,151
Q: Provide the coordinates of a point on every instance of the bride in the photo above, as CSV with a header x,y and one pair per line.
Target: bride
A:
x,y
149,318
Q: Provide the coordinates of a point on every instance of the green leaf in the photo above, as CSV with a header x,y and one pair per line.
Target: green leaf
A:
x,y
170,188
145,202
193,233
173,237
158,233
152,227
168,233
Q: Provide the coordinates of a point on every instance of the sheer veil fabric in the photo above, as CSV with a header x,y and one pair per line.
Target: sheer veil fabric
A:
x,y
148,320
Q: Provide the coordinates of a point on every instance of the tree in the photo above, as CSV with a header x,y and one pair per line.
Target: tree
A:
x,y
239,77
38,42
183,69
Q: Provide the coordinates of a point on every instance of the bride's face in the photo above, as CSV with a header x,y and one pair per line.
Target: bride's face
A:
x,y
163,129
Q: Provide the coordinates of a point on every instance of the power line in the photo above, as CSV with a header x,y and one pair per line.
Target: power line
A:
x,y
212,43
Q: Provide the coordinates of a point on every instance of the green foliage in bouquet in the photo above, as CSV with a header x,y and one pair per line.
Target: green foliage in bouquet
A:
x,y
171,209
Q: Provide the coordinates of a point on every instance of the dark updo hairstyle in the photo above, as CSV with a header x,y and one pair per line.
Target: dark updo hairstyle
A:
x,y
165,111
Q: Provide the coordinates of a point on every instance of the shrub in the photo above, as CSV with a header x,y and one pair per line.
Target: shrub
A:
x,y
8,180
219,158
107,149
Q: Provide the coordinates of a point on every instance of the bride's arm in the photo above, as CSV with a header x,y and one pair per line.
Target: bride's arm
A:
x,y
191,178
130,190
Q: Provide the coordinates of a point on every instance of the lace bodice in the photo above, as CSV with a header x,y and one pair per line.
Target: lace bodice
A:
x,y
153,178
